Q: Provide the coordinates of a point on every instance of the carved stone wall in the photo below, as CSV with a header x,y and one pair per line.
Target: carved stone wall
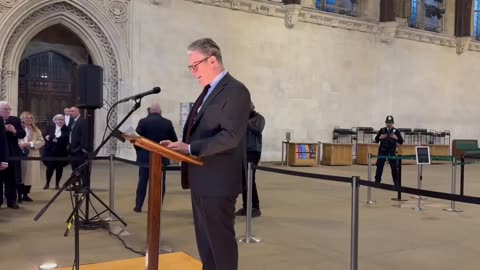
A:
x,y
118,12
291,15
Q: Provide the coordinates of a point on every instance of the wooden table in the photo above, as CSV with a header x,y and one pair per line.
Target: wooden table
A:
x,y
439,150
337,154
363,149
407,150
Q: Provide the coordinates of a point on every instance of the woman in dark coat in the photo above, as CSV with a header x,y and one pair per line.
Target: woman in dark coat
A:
x,y
56,145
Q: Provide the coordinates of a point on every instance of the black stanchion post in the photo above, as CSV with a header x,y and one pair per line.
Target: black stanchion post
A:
x,y
399,179
354,232
398,183
462,175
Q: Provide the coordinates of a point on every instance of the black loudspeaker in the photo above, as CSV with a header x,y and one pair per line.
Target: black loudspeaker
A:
x,y
89,86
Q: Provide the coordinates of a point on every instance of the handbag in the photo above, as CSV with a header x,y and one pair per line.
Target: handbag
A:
x,y
25,152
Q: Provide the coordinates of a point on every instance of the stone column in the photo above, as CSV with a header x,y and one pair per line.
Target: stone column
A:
x,y
449,18
11,83
308,3
421,14
369,9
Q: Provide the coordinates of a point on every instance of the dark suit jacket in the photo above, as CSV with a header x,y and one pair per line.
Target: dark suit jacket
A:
x,y
79,137
156,128
3,143
12,140
13,148
218,137
56,147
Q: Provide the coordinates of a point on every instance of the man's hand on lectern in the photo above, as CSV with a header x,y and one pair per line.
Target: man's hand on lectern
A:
x,y
176,146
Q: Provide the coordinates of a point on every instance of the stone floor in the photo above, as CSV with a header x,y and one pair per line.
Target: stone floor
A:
x,y
305,224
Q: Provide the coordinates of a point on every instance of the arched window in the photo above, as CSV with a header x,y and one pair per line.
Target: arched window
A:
x,y
427,15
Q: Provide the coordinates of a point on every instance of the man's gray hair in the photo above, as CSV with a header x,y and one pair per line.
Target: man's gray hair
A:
x,y
57,116
3,103
207,47
155,108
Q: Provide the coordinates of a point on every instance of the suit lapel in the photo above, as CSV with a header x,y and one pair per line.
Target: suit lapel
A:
x,y
218,89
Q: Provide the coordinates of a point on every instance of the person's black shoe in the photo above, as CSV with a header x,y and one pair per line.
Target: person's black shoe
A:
x,y
57,187
27,199
241,212
13,206
45,187
137,209
20,200
256,212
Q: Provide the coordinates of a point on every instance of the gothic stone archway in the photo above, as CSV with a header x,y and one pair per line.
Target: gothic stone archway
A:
x,y
24,20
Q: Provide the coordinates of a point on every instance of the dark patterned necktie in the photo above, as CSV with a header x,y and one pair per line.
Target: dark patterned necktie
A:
x,y
198,103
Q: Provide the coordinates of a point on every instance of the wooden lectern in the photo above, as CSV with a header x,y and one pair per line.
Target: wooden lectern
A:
x,y
157,153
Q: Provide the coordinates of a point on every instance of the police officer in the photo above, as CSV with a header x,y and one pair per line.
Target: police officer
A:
x,y
388,137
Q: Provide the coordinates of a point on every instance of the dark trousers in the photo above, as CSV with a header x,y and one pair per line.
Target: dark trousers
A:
x,y
143,176
23,190
381,162
253,157
85,170
214,219
58,175
7,179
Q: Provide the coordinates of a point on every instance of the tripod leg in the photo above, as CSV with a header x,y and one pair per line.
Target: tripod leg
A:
x,y
108,208
74,214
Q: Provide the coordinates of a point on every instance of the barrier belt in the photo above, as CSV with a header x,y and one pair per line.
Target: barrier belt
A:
x,y
17,158
415,191
307,175
422,192
412,157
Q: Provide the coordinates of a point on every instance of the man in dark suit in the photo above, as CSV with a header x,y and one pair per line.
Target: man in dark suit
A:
x,y
13,174
68,118
79,144
215,131
3,146
156,128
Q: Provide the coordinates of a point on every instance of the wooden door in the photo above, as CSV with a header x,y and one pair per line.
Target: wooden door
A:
x,y
46,86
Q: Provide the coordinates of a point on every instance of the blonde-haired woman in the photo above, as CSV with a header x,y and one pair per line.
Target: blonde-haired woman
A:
x,y
30,146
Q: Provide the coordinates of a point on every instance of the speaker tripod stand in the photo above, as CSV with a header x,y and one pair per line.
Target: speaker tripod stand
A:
x,y
88,221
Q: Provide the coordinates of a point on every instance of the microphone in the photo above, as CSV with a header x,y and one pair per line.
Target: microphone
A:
x,y
154,90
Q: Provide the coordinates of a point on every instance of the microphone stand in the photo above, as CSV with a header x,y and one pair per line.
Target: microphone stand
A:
x,y
81,193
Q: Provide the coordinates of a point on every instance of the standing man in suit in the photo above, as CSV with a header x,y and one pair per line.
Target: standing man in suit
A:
x,y
68,118
13,174
79,144
156,128
214,131
3,146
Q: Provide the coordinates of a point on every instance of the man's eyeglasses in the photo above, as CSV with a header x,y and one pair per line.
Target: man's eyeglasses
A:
x,y
193,67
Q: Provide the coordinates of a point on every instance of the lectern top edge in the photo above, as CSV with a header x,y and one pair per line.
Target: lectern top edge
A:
x,y
160,149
